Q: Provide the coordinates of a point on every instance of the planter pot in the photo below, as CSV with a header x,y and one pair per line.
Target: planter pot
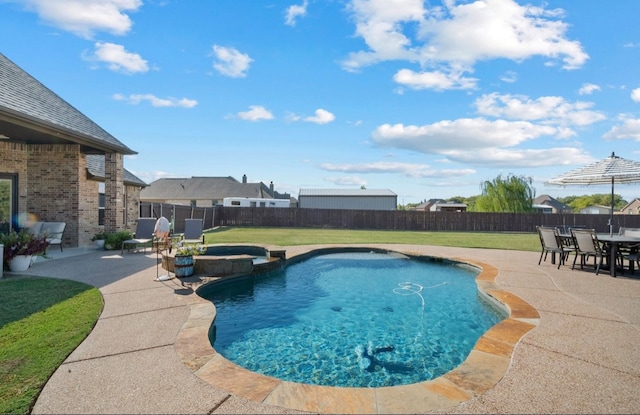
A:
x,y
20,263
183,265
99,243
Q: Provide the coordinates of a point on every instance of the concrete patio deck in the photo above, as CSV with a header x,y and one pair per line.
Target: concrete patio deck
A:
x,y
582,357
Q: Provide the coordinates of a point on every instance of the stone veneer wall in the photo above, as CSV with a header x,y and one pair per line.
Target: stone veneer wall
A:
x,y
132,198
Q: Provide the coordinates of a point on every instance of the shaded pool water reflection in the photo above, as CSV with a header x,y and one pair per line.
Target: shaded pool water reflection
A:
x,y
351,319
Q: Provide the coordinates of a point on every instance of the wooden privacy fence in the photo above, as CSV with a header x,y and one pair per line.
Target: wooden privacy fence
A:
x,y
378,219
177,214
414,220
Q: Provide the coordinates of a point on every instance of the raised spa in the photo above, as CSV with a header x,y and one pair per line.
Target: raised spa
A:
x,y
354,319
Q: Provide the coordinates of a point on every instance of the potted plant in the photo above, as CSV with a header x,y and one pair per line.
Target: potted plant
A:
x,y
99,239
19,247
183,261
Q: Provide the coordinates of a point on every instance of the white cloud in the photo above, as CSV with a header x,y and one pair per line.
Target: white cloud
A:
x,y
256,113
321,117
347,181
406,169
455,37
434,80
509,77
231,62
510,158
467,133
295,11
118,59
635,95
136,99
548,109
86,17
629,129
588,89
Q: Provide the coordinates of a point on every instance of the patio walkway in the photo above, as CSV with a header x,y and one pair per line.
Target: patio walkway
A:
x,y
581,358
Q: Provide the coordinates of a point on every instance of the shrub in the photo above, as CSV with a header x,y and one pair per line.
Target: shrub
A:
x,y
113,240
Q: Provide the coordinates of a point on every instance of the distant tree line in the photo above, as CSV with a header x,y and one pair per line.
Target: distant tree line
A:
x,y
515,194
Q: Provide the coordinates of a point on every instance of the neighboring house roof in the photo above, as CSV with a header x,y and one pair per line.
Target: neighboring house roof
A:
x,y
31,112
450,204
554,203
198,188
345,192
95,167
633,206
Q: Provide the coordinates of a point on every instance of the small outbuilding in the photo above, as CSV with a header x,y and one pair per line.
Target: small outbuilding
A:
x,y
355,199
596,210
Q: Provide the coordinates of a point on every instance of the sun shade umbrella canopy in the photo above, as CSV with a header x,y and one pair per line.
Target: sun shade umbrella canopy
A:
x,y
612,170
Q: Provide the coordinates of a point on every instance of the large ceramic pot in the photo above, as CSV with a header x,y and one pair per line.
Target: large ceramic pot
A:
x,y
20,263
183,265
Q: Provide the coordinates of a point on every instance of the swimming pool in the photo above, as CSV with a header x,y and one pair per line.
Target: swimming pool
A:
x,y
351,319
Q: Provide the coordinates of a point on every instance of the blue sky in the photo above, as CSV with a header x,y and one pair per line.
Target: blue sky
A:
x,y
425,98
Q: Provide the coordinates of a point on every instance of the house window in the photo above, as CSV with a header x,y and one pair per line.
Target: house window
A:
x,y
101,204
8,201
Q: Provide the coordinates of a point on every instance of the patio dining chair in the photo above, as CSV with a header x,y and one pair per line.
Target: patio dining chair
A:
x,y
630,252
551,242
587,245
143,235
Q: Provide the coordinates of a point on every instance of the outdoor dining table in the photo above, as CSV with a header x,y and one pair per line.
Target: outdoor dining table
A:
x,y
615,242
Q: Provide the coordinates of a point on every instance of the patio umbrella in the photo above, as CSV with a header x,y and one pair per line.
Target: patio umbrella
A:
x,y
612,170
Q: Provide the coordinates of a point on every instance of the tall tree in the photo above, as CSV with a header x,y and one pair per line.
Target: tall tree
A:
x,y
506,194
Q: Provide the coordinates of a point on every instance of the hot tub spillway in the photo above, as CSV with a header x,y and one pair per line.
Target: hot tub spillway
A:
x,y
230,260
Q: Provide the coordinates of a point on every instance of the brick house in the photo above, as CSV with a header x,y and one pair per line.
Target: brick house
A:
x,y
58,165
206,191
632,208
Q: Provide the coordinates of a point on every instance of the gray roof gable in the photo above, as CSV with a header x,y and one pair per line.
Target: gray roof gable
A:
x,y
198,188
27,102
550,201
95,167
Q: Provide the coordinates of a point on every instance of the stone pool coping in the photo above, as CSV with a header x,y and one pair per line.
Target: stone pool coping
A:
x,y
485,366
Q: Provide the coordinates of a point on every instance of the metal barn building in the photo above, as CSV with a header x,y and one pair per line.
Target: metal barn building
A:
x,y
357,199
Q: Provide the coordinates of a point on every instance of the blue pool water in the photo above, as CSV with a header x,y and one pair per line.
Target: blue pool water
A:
x,y
351,319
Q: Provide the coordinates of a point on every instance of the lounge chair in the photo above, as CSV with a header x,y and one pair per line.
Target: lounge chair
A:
x,y
143,234
588,245
551,242
53,232
193,233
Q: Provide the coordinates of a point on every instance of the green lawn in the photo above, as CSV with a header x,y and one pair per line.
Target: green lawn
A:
x,y
42,320
297,236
